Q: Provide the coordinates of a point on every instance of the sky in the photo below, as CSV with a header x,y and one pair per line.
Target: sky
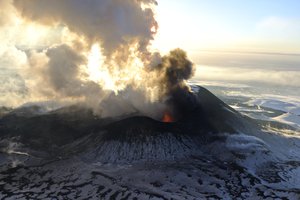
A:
x,y
235,25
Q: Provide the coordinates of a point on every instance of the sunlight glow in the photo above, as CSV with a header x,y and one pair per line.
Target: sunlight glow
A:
x,y
96,71
112,76
34,33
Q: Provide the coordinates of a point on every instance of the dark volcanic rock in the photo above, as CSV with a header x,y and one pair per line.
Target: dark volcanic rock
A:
x,y
210,152
205,114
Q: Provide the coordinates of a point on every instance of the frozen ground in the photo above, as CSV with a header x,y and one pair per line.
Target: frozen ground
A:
x,y
258,159
261,102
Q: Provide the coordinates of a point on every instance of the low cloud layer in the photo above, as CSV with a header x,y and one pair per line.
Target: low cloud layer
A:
x,y
249,75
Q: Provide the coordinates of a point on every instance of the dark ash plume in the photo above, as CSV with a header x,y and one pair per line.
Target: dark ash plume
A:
x,y
175,69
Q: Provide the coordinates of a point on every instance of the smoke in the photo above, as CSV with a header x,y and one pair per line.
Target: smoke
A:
x,y
101,54
175,69
115,24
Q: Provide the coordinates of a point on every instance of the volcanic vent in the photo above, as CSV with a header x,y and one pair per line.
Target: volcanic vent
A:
x,y
168,117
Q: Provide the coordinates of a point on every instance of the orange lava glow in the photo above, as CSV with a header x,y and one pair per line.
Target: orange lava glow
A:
x,y
167,118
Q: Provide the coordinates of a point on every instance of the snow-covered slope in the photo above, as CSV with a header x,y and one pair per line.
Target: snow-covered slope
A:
x,y
212,152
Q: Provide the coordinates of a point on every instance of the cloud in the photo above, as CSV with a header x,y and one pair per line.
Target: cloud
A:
x,y
114,23
5,12
248,75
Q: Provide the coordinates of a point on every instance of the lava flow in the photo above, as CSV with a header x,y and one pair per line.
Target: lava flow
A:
x,y
167,118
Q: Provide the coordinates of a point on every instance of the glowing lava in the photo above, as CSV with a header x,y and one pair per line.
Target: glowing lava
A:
x,y
167,118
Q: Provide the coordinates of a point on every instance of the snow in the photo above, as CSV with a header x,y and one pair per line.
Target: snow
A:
x,y
258,165
288,118
282,104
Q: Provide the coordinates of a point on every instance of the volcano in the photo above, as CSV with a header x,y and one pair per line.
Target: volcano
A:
x,y
208,151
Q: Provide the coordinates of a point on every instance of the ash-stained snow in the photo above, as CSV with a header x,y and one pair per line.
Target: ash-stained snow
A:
x,y
109,159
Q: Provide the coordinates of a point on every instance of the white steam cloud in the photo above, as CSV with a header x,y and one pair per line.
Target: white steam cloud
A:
x,y
116,24
51,43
